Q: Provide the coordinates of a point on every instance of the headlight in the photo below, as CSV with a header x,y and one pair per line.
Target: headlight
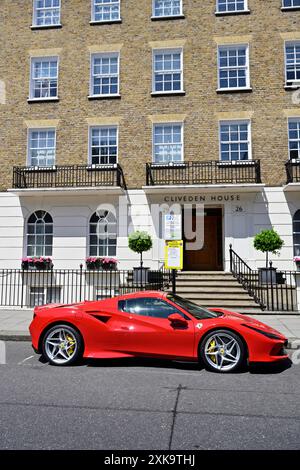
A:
x,y
265,333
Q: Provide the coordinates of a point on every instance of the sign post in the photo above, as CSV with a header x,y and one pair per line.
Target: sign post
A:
x,y
174,259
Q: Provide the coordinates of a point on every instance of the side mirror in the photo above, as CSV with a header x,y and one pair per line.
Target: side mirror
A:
x,y
176,318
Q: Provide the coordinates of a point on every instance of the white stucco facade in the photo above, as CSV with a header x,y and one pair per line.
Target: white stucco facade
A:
x,y
246,211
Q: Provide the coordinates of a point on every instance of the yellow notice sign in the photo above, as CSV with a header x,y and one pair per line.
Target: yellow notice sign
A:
x,y
174,254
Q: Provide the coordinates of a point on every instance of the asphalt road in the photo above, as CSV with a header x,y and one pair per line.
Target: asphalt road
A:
x,y
143,404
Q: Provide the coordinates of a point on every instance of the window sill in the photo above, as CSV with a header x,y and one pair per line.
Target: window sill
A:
x,y
101,166
227,163
104,97
47,26
41,168
42,100
290,8
221,91
232,13
95,23
292,87
156,94
166,18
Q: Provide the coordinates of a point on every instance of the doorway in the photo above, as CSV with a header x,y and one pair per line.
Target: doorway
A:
x,y
210,257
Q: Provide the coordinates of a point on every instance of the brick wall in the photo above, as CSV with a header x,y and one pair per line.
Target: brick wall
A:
x,y
202,105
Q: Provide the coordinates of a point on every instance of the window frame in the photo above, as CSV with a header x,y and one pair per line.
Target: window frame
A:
x,y
292,119
295,83
233,12
34,17
109,55
110,126
27,234
163,17
45,293
40,129
107,245
93,17
234,122
248,78
172,50
287,8
173,123
296,219
33,60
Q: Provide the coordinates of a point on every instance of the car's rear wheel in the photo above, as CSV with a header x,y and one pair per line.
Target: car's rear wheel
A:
x,y
62,345
222,351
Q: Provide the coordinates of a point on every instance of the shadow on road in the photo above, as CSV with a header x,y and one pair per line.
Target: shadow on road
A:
x,y
265,368
257,368
142,362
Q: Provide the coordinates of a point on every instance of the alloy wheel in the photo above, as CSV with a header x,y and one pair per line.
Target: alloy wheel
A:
x,y
222,351
60,345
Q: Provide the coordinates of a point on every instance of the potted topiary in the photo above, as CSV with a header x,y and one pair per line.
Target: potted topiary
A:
x,y
268,241
140,242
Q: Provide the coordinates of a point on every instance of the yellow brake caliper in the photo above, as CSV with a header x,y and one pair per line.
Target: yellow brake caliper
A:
x,y
211,348
71,343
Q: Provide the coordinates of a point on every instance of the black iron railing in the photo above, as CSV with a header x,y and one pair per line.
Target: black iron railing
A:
x,y
210,172
272,289
27,288
66,176
293,171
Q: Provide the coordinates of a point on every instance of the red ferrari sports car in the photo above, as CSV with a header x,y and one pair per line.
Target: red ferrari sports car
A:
x,y
153,324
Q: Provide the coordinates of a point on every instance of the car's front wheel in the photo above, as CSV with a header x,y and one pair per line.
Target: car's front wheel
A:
x,y
222,351
62,345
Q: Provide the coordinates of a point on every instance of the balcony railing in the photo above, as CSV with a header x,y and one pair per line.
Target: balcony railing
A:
x,y
210,172
293,171
68,176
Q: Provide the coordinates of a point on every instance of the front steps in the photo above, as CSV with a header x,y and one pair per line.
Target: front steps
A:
x,y
215,289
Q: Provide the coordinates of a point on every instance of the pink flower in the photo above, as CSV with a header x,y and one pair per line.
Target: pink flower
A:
x,y
297,259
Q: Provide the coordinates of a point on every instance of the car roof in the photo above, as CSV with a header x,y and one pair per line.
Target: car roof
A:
x,y
147,293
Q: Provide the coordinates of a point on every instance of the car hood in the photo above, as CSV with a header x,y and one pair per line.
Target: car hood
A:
x,y
252,322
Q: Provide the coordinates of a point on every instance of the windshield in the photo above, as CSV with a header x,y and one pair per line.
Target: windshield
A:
x,y
195,310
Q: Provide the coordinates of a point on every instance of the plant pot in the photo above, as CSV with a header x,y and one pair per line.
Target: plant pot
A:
x,y
140,275
267,275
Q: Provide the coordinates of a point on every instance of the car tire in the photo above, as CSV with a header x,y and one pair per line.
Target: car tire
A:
x,y
62,345
222,351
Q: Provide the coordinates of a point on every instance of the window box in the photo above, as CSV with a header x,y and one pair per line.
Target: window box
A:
x,y
97,263
36,263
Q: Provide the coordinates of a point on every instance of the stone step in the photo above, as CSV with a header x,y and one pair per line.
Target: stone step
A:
x,y
207,277
214,295
224,302
217,297
212,289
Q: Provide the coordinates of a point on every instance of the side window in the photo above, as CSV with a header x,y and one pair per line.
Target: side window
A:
x,y
149,307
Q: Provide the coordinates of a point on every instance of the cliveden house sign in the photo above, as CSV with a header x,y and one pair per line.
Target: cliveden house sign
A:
x,y
203,198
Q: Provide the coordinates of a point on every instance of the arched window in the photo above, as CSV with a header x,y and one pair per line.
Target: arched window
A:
x,y
296,233
39,234
103,234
